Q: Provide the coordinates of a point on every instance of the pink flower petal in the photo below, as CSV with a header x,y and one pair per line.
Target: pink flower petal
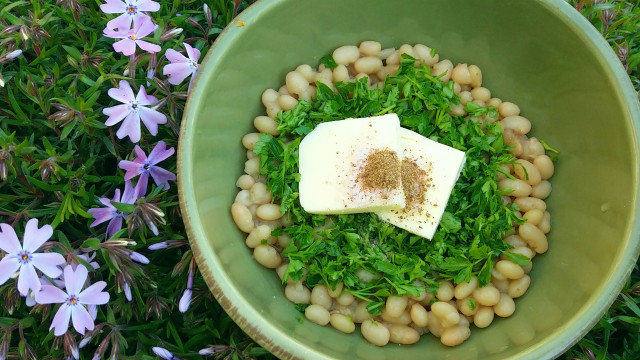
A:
x,y
141,186
116,114
145,28
130,127
113,7
139,18
122,93
175,57
81,319
160,153
34,237
177,72
50,294
48,263
28,280
140,155
60,322
144,99
116,197
100,215
125,46
8,266
93,295
162,176
151,118
148,47
113,34
132,169
114,226
194,54
130,194
9,242
120,24
74,280
148,5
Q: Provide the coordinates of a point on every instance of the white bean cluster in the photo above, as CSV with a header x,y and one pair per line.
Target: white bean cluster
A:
x,y
449,313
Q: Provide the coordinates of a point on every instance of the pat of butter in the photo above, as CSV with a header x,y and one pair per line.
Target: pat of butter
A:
x,y
442,166
333,155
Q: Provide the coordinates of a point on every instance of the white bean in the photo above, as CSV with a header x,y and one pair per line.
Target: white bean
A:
x,y
259,233
370,48
375,332
267,256
455,335
242,217
320,296
396,305
419,315
269,212
297,293
346,55
402,334
266,125
317,314
296,83
342,323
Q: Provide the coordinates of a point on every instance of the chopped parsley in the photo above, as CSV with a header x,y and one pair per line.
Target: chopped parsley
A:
x,y
470,234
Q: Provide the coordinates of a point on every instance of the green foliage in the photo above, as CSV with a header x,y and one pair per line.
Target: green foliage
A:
x,y
57,157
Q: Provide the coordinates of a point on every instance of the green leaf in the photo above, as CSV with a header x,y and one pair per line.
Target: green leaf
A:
x,y
328,62
125,208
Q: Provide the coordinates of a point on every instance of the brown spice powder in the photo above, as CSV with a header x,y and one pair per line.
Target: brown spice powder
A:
x,y
414,183
381,171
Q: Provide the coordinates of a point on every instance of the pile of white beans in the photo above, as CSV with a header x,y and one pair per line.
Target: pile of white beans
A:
x,y
404,318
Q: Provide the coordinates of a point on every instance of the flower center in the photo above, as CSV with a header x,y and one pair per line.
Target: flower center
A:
x,y
133,37
24,257
193,65
134,105
132,10
72,300
146,166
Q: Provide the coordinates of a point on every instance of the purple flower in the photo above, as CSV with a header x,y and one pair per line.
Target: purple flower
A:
x,y
158,246
131,38
25,258
180,66
110,213
127,292
164,353
145,166
137,257
131,10
14,54
133,110
73,300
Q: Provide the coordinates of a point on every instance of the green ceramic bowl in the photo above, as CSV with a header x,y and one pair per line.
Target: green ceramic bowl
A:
x,y
539,54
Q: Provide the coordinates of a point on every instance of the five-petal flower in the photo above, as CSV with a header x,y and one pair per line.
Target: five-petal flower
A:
x,y
26,258
145,166
73,300
110,213
132,38
134,109
131,12
181,66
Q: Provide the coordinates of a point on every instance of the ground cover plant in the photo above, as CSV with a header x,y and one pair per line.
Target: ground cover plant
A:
x,y
91,97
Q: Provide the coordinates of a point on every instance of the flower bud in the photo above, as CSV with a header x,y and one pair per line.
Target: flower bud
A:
x,y
14,54
168,35
185,301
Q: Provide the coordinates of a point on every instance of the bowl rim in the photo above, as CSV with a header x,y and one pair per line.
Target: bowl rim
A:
x,y
284,346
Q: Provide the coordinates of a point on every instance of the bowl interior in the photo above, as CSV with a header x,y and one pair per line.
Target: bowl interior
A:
x,y
537,54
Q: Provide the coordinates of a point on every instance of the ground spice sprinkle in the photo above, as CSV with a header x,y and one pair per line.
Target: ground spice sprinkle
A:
x,y
381,171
